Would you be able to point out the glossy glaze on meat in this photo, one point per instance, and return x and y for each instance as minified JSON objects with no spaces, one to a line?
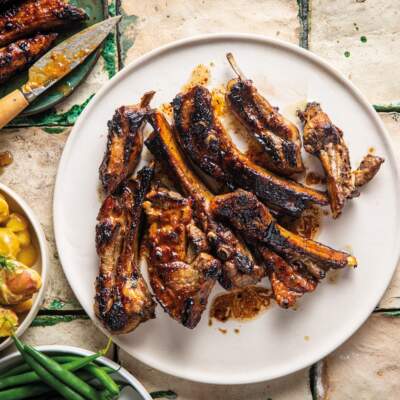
{"x":19,"y":55}
{"x":124,"y":143}
{"x":252,"y":218}
{"x":123,"y":300}
{"x":238,"y":267}
{"x":368,"y":168}
{"x":205,"y":141}
{"x":180,"y":281}
{"x":24,"y":18}
{"x":278,"y":137}
{"x":325,"y":140}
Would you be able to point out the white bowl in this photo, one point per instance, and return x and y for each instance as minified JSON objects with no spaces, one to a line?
{"x":15,"y":358}
{"x":42,"y":264}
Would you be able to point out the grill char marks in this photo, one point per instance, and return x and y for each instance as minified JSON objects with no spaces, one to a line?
{"x":207,"y":144}
{"x":36,"y":15}
{"x":253,"y":219}
{"x":238,"y":268}
{"x":124,"y":143}
{"x":368,"y":168}
{"x":122,"y":300}
{"x":19,"y":55}
{"x":325,"y":140}
{"x":181,"y":281}
{"x":277,"y":136}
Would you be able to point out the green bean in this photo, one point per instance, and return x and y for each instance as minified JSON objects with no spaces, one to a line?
{"x":45,"y":375}
{"x":19,"y":369}
{"x":62,"y":374}
{"x":24,"y":392}
{"x":31,"y":377}
{"x":103,"y":378}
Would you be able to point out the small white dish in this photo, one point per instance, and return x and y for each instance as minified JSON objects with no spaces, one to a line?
{"x":137,"y":393}
{"x":42,"y":264}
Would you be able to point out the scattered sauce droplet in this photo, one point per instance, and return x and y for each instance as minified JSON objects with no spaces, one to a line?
{"x":6,"y":158}
{"x":166,"y":108}
{"x":306,"y":338}
{"x":371,"y":150}
{"x":313,"y":178}
{"x":224,"y":331}
{"x":363,"y":39}
{"x":201,"y":75}
{"x":347,"y":54}
{"x":210,"y":322}
{"x":218,"y":100}
{"x":307,"y":225}
{"x":241,"y":304}
{"x":237,"y":331}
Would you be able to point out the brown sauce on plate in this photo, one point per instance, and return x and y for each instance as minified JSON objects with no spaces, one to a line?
{"x":241,"y":304}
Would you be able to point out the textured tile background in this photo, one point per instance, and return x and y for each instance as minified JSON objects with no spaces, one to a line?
{"x":366,"y":367}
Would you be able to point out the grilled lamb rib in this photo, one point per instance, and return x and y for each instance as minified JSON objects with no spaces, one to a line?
{"x":124,"y":143}
{"x":253,"y":219}
{"x":122,"y":300}
{"x":19,"y":55}
{"x":207,"y":144}
{"x":368,"y":168}
{"x":238,"y":267}
{"x":180,"y":281}
{"x":36,"y":15}
{"x":278,"y":137}
{"x":325,"y":140}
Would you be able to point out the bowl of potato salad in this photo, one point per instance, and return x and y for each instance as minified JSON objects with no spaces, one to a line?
{"x":23,"y":265}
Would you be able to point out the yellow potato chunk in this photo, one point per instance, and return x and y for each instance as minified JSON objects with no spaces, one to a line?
{"x":8,"y":322}
{"x":4,"y":209}
{"x":9,"y":244}
{"x":24,"y":238}
{"x":23,"y":307}
{"x":27,"y":255}
{"x":17,"y":222}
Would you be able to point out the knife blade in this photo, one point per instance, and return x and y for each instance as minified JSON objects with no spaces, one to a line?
{"x":53,"y":66}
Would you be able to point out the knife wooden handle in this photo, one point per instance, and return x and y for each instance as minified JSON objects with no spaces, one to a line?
{"x":11,"y":105}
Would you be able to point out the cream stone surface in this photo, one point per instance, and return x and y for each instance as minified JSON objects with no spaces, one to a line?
{"x":161,"y":22}
{"x":292,"y":387}
{"x":78,"y":333}
{"x":367,"y":366}
{"x":364,"y":368}
{"x":373,"y":65}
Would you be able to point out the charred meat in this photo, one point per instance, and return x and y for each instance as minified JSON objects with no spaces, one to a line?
{"x":368,"y":168}
{"x":288,"y":282}
{"x":278,"y":137}
{"x":208,"y":145}
{"x":19,"y":55}
{"x":180,"y":281}
{"x":238,"y":267}
{"x":325,"y":140}
{"x":124,"y":143}
{"x":253,"y":219}
{"x":30,"y":16}
{"x":123,"y":300}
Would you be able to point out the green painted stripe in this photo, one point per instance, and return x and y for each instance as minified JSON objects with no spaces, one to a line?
{"x":304,"y":15}
{"x":51,"y":320}
{"x":51,"y":118}
{"x":164,"y":394}
{"x":391,"y":107}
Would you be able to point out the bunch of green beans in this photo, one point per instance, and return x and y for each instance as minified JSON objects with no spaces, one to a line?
{"x":42,"y":375}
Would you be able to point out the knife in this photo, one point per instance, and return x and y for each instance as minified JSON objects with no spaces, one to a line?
{"x":53,"y":66}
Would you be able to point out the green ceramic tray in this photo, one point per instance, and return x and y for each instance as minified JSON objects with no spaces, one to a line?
{"x":97,"y":11}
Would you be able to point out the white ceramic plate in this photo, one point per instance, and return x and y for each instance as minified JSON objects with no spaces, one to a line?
{"x":121,"y":375}
{"x":18,"y":204}
{"x":280,"y":341}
